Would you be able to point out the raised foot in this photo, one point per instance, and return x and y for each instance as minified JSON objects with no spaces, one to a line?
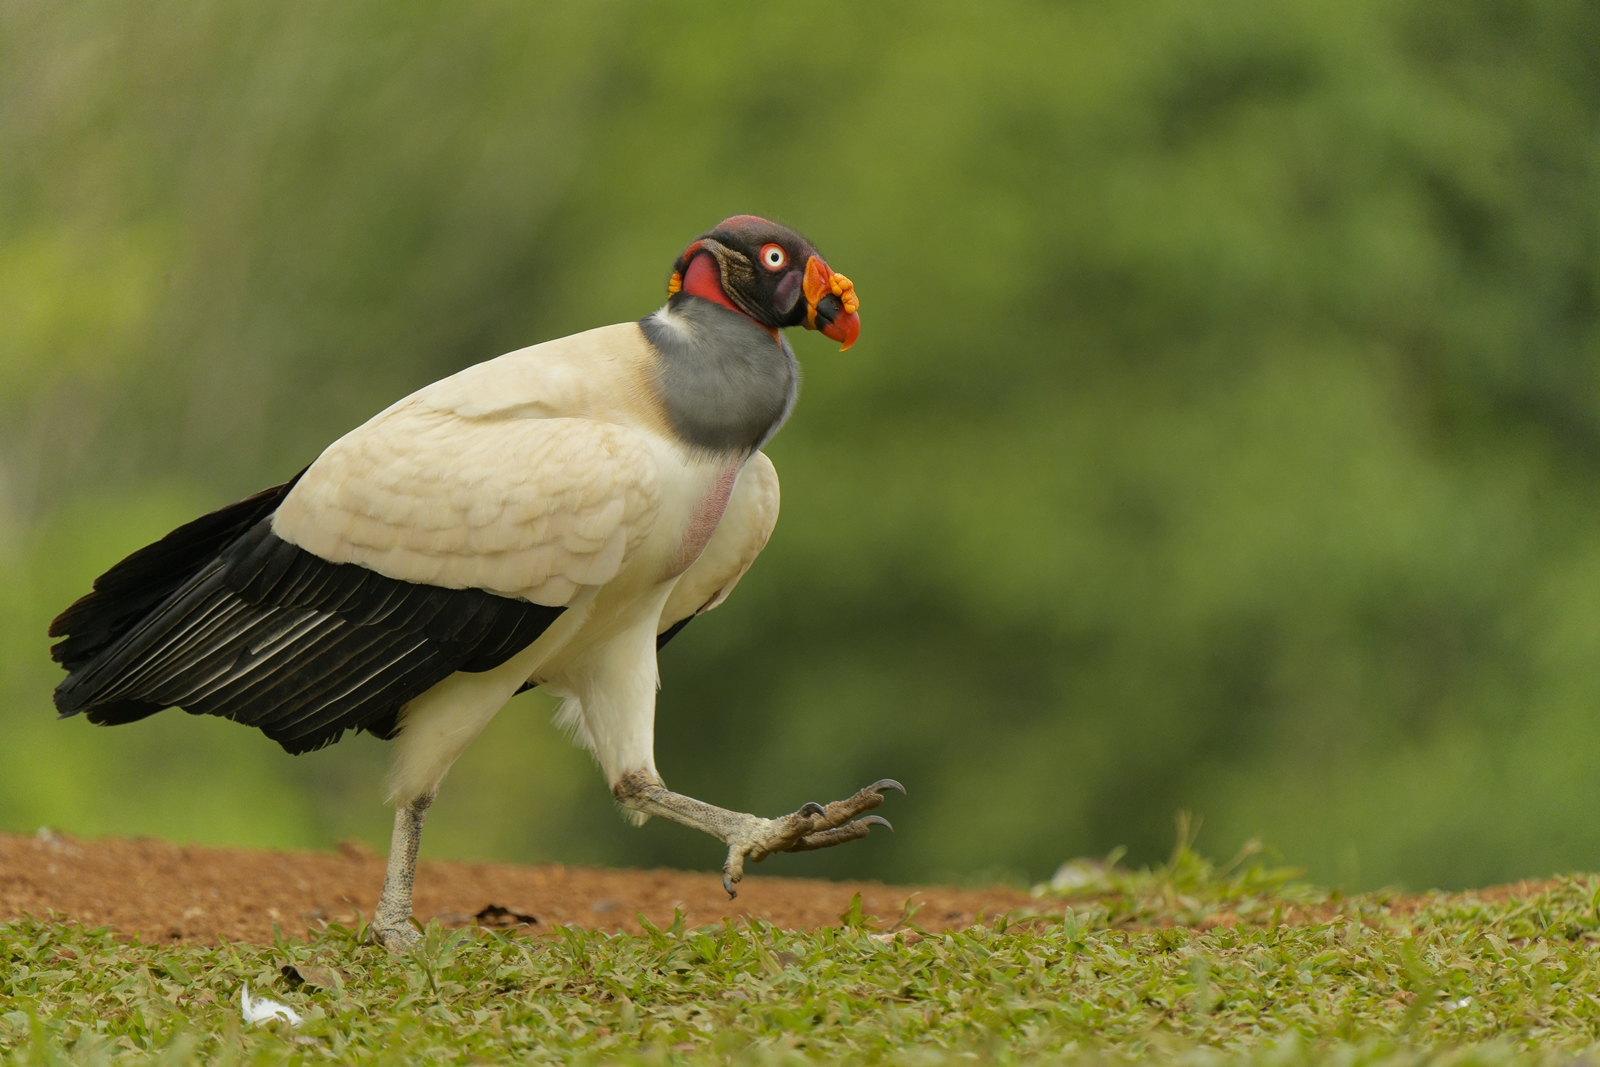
{"x":814,"y":826}
{"x":397,"y":939}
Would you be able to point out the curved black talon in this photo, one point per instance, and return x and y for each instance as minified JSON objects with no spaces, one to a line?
{"x":727,"y":883}
{"x":811,"y":807}
{"x":876,"y":820}
{"x":886,"y":783}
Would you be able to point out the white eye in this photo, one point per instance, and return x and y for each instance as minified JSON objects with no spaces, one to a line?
{"x":773,"y":257}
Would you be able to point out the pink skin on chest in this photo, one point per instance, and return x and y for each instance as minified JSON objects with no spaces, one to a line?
{"x":703,"y":523}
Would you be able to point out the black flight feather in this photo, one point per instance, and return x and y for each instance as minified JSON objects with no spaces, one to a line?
{"x":133,"y":587}
{"x":223,"y":617}
{"x":672,"y":631}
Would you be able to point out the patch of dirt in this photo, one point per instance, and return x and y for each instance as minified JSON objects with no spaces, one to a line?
{"x":164,"y":892}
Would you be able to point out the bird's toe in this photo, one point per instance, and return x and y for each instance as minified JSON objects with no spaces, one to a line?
{"x":397,"y":939}
{"x":842,"y":812}
{"x":850,"y":831}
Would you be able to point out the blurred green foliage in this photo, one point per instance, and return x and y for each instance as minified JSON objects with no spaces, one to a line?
{"x":1224,"y":434}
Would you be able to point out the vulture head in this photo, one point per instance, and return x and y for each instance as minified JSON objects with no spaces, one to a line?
{"x":771,"y":274}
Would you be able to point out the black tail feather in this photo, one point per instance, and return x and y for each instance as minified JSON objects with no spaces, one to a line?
{"x":130,"y":590}
{"x":223,"y":617}
{"x":122,"y":711}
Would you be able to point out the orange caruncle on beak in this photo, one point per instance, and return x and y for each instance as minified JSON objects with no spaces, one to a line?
{"x":820,"y":283}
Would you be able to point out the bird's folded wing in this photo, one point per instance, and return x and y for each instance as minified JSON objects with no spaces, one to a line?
{"x":740,"y":536}
{"x":519,"y":506}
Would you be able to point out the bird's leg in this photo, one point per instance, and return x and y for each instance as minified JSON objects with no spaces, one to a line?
{"x":750,"y":837}
{"x":391,"y":926}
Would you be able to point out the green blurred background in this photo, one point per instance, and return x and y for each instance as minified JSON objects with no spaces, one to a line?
{"x":1224,"y":434}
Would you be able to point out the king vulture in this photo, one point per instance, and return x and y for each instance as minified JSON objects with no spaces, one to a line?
{"x":549,"y":518}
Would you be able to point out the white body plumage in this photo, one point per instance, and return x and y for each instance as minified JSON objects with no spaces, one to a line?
{"x":548,"y":474}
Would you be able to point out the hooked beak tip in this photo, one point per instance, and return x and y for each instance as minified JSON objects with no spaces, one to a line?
{"x":844,"y":329}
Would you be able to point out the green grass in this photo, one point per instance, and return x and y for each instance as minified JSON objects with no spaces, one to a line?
{"x":1138,"y":970}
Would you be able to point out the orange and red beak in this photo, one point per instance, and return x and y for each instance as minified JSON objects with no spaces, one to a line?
{"x":831,"y":303}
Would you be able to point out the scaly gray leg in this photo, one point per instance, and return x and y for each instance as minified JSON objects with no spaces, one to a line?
{"x":750,"y":837}
{"x":391,"y":926}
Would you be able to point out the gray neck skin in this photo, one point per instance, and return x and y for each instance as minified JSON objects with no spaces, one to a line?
{"x":725,"y":383}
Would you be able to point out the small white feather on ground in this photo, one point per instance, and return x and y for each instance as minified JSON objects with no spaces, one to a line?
{"x":261,"y":1009}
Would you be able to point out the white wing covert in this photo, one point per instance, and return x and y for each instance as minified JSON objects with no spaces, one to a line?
{"x":525,"y":507}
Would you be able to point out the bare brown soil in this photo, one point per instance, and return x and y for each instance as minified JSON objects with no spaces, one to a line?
{"x":163,"y":892}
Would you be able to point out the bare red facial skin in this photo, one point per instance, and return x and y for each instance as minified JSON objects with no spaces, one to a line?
{"x":704,"y":279}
